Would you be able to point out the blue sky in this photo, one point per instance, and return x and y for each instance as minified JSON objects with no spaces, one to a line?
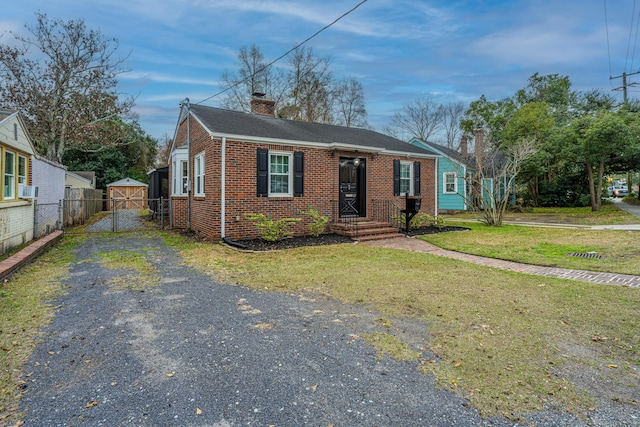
{"x":398,"y":49}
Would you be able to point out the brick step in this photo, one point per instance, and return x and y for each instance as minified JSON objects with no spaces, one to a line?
{"x":367,"y":230}
{"x":379,"y":237}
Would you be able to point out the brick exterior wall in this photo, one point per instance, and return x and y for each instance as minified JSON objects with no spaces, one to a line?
{"x":321,"y":190}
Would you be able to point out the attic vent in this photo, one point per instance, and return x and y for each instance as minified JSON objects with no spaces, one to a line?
{"x":592,"y":255}
{"x":15,"y":131}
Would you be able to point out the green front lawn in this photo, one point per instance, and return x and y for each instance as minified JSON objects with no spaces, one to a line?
{"x":619,"y":250}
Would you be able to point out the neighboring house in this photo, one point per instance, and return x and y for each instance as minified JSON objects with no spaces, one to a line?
{"x":454,"y":171}
{"x":16,"y":199}
{"x":49,"y":179}
{"x":453,"y":167}
{"x":226,"y":164}
{"x":80,"y":179}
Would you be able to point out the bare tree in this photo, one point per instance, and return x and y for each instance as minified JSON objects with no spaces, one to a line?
{"x":492,"y":184}
{"x":450,"y":115}
{"x":62,"y":77}
{"x":349,"y":103}
{"x":420,"y":119}
{"x":309,"y":83}
{"x":254,"y":75}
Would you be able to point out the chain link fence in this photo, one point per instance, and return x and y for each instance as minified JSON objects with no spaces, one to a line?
{"x":47,"y":219}
{"x":91,"y":215}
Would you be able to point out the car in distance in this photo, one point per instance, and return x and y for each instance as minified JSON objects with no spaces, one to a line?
{"x":618,"y":191}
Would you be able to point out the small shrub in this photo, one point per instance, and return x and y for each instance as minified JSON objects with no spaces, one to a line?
{"x":419,"y":220}
{"x":318,"y":222}
{"x":271,"y":230}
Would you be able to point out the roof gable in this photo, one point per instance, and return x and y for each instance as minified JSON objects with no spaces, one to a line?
{"x":10,"y":122}
{"x":445,"y":151}
{"x":127,"y":182}
{"x":257,"y":127}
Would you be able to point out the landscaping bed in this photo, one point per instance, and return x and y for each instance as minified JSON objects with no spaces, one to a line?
{"x":325,"y":239}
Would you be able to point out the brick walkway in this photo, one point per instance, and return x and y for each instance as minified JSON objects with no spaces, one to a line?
{"x":417,"y":245}
{"x":14,"y":262}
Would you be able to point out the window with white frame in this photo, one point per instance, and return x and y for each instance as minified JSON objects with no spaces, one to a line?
{"x":406,"y":178}
{"x":450,"y":183}
{"x":198,"y":172}
{"x":22,"y":170}
{"x":280,"y":176}
{"x":180,"y":175}
{"x":9,"y":175}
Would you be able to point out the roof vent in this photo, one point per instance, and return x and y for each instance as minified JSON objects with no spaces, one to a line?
{"x":258,"y":94}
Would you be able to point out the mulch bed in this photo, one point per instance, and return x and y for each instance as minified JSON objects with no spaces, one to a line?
{"x":325,"y":239}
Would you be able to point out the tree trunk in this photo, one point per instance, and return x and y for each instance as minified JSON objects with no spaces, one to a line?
{"x":594,"y":205}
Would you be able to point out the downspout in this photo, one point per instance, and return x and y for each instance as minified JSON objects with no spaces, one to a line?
{"x":186,"y":102}
{"x":223,"y":196}
{"x":435,"y":208}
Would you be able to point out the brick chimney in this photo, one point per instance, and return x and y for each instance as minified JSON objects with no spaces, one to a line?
{"x":262,"y":105}
{"x":464,"y":146}
{"x":479,"y":146}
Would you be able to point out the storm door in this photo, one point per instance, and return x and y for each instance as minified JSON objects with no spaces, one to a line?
{"x":352,"y":187}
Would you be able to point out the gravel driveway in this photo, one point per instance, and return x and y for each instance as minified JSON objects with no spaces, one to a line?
{"x":192,"y":352}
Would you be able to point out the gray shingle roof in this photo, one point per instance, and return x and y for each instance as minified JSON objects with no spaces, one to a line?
{"x":227,"y":122}
{"x":452,"y":154}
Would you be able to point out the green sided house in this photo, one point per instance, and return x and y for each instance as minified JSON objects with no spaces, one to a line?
{"x":227,"y":164}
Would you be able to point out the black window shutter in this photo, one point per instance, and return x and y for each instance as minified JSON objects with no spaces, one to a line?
{"x":396,"y":177}
{"x":298,"y":173}
{"x":416,"y":178}
{"x":263,"y":173}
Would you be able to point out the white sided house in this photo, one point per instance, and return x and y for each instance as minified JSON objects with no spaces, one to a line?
{"x":49,"y":179}
{"x":18,"y":193}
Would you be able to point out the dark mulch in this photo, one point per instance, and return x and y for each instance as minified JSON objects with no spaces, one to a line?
{"x":433,"y":230}
{"x":325,"y":239}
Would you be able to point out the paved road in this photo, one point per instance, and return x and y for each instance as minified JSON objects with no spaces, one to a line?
{"x":193,"y":352}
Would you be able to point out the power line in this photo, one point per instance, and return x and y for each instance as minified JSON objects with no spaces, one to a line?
{"x":633,"y":13}
{"x":285,"y":54}
{"x":606,"y":24}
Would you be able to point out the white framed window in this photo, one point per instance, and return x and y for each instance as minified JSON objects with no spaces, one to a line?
{"x":9,"y":175}
{"x":198,"y":174}
{"x":406,"y":178}
{"x":450,"y":183}
{"x":179,"y":174}
{"x":280,"y":176}
{"x":22,"y":170}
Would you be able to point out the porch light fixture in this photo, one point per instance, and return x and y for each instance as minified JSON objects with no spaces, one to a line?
{"x":356,"y":162}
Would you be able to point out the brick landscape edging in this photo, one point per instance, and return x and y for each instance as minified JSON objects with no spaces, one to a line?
{"x":12,"y":264}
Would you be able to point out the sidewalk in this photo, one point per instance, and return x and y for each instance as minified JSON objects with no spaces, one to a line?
{"x":417,"y":245}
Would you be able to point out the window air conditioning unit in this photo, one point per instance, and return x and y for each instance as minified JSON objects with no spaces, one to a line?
{"x":27,"y":191}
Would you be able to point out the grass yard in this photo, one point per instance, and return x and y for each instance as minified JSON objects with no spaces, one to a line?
{"x":609,"y":214}
{"x":23,"y":312}
{"x":619,"y":250}
{"x":508,"y":342}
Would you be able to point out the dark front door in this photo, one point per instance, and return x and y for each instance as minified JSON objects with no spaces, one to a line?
{"x":352,"y":201}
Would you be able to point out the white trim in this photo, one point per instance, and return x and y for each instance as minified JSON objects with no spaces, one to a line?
{"x":324,"y":146}
{"x":444,"y":183}
{"x":289,"y":155}
{"x":198,"y":178}
{"x":411,"y":183}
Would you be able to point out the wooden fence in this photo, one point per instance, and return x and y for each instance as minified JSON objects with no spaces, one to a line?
{"x":80,"y":204}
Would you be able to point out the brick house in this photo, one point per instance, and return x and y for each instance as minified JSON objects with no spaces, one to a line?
{"x":226,"y":164}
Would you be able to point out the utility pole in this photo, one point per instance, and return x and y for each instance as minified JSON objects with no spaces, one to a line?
{"x":624,"y":85}
{"x":625,"y":99}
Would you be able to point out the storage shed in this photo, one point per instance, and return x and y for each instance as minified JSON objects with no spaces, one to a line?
{"x":127,"y":194}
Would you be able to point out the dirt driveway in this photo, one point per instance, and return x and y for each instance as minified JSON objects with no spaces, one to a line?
{"x":191,"y":352}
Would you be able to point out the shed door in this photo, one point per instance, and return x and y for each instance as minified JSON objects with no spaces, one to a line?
{"x":128,"y":197}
